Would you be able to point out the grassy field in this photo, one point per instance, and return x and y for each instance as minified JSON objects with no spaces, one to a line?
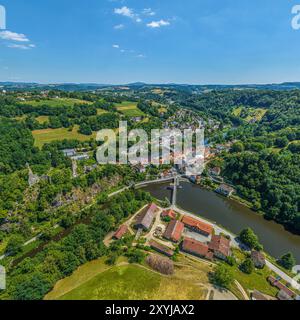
{"x":79,"y":277}
{"x":252,"y":113}
{"x":256,"y":280}
{"x":161,"y":108}
{"x":129,"y":109}
{"x":256,"y":114}
{"x":56,"y":102}
{"x":42,"y":119}
{"x":97,"y":281}
{"x":48,"y":135}
{"x":101,"y":111}
{"x":237,"y":111}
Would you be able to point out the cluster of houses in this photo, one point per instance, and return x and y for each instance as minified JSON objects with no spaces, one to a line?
{"x":284,"y":292}
{"x":210,"y":247}
{"x":215,"y":246}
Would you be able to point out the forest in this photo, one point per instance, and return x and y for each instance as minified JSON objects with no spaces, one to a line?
{"x":32,"y":278}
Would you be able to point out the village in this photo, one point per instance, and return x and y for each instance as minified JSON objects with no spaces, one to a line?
{"x":168,"y":233}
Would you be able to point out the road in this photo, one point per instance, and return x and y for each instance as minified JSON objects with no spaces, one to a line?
{"x":217,"y":228}
{"x":236,"y":244}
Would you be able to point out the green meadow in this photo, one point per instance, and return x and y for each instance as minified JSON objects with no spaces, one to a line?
{"x":129,"y":109}
{"x":49,"y":135}
{"x":60,"y":102}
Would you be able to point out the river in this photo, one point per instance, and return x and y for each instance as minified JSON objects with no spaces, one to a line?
{"x":232,"y":215}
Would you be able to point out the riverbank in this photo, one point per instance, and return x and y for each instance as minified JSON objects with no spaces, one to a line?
{"x":236,"y":244}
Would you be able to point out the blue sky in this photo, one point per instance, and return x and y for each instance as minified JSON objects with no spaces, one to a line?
{"x":154,"y":41}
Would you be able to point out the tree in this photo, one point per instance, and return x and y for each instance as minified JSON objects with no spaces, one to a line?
{"x":281,"y":142}
{"x":14,"y":245}
{"x":247,"y":266}
{"x":112,"y":259}
{"x":222,"y":276}
{"x":249,"y":238}
{"x":287,"y":261}
{"x":32,"y":287}
{"x":231,"y":261}
{"x":294,"y":147}
{"x":135,"y":256}
{"x":237,"y":147}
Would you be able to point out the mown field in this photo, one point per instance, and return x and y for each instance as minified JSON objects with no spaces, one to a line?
{"x":129,"y":109}
{"x":100,"y":111}
{"x":48,"y":135}
{"x":249,"y":114}
{"x":42,"y":119}
{"x":60,"y":102}
{"x":256,"y":280}
{"x":97,"y":281}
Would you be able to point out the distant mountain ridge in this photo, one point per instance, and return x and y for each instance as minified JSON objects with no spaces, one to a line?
{"x":140,"y":85}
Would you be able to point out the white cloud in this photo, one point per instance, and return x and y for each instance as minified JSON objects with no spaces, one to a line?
{"x":116,"y":46}
{"x":158,"y":24}
{"x":141,"y":56}
{"x":127,"y":12}
{"x":148,"y":12}
{"x":119,"y":26}
{"x":21,"y":46}
{"x":13,"y":36}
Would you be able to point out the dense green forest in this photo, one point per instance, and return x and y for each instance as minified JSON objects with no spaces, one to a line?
{"x":270,"y":181}
{"x":32,"y":278}
{"x":264,"y":161}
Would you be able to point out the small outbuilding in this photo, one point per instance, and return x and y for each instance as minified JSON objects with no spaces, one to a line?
{"x":120,"y":232}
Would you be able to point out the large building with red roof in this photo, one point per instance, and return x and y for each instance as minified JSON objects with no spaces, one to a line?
{"x":197,"y":226}
{"x":220,"y":246}
{"x":174,"y":231}
{"x":195,"y":247}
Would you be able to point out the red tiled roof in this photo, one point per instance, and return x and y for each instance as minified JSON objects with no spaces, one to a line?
{"x":221,"y":244}
{"x":194,"y":223}
{"x":281,"y":286}
{"x":174,"y":230}
{"x":120,"y":232}
{"x":195,"y":247}
{"x":169,"y":213}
